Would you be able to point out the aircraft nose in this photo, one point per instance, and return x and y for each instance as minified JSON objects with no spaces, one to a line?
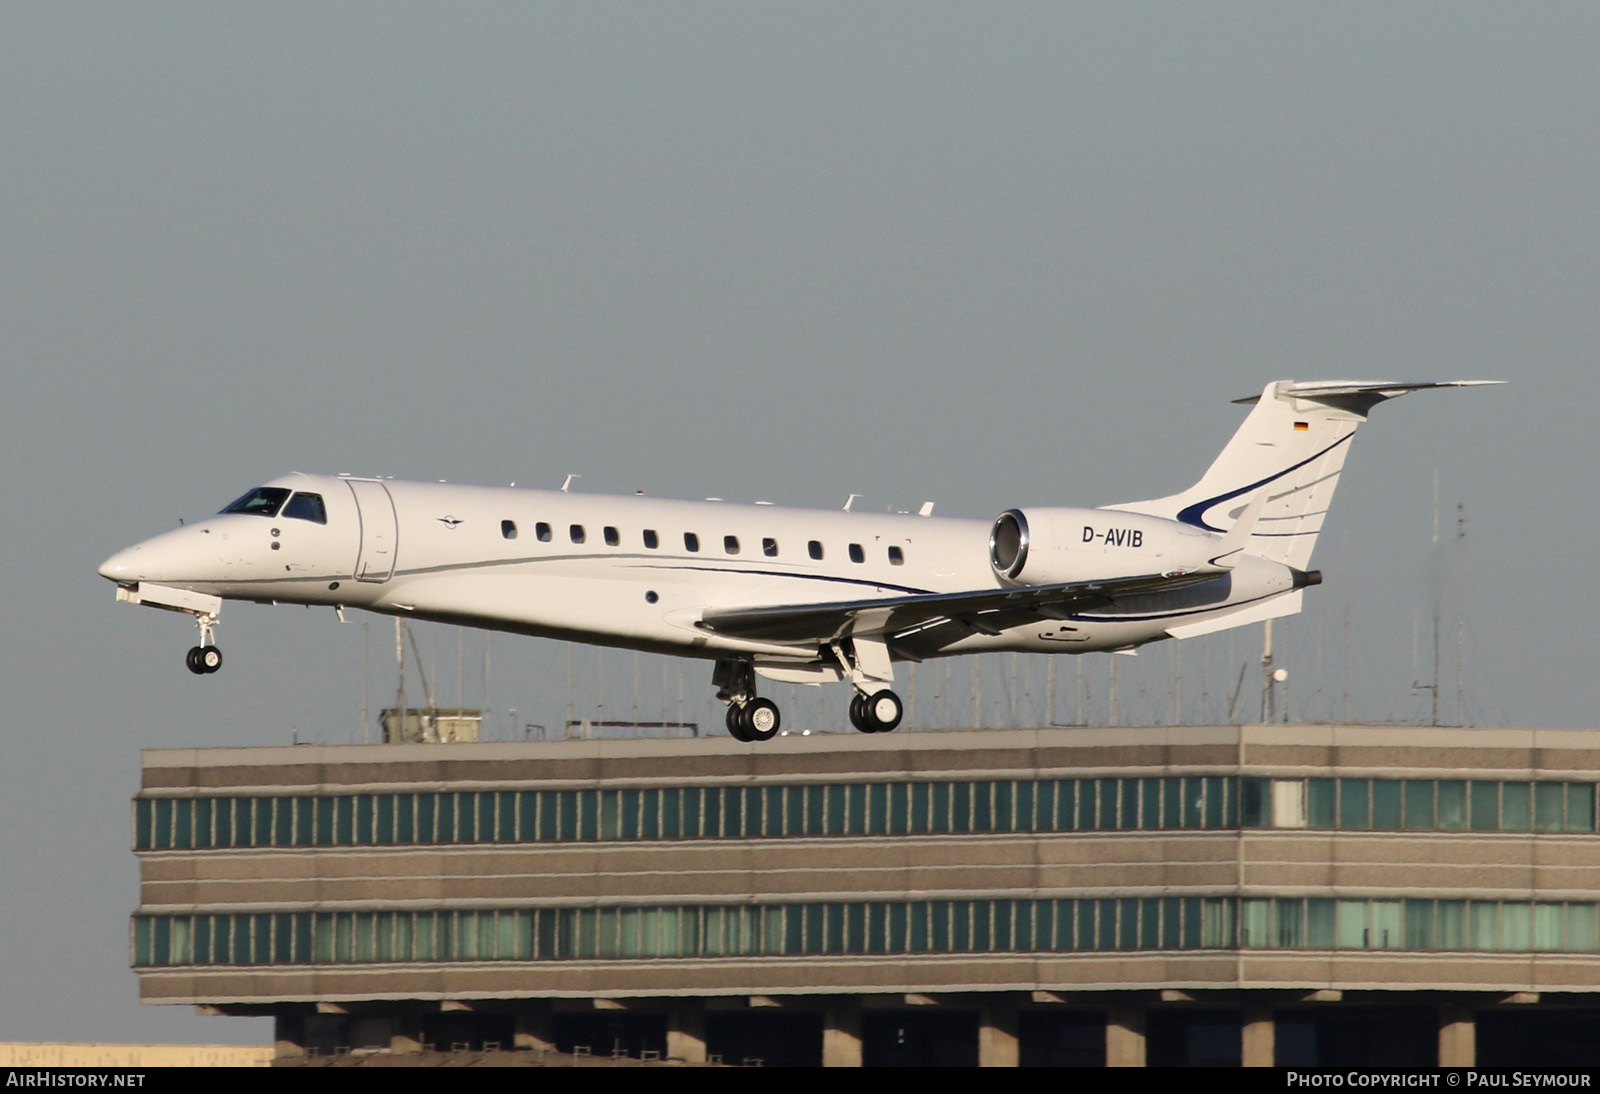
{"x":121,"y":566}
{"x":171,"y":556}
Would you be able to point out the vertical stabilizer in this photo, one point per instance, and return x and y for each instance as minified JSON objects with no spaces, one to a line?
{"x":1289,"y":452}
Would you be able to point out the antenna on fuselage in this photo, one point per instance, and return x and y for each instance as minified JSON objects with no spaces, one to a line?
{"x":851,"y":500}
{"x":568,"y":483}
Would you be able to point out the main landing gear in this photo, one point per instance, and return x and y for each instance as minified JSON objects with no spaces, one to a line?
{"x":865,"y":661}
{"x":754,"y":720}
{"x":205,"y":658}
{"x":751,"y":718}
{"x":879,"y":712}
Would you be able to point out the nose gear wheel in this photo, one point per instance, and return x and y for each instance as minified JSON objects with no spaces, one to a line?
{"x":203,"y":660}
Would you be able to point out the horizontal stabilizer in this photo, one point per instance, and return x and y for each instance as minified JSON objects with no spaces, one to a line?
{"x":1380,"y":389}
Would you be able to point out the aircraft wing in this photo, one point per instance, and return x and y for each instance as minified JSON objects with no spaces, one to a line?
{"x":985,"y":611}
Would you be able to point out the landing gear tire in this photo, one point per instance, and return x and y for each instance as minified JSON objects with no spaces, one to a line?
{"x":757,"y":720}
{"x":203,"y":660}
{"x":736,"y":723}
{"x":883,"y":711}
{"x":760,"y":719}
{"x":877,"y":713}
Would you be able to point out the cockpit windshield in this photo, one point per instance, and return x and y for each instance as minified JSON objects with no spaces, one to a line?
{"x":307,"y":507}
{"x":263,"y":501}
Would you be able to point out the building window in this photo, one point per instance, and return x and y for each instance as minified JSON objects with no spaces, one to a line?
{"x":1321,"y":802}
{"x":866,"y":927}
{"x":941,"y":807}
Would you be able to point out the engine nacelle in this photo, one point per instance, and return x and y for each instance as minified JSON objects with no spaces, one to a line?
{"x":1051,"y":546}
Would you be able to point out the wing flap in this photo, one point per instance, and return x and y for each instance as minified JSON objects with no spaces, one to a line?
{"x":986,"y":611}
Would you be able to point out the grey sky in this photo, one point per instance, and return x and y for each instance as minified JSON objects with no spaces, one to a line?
{"x":989,"y":255}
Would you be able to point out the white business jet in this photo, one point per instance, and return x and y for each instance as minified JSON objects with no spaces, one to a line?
{"x":796,"y":595}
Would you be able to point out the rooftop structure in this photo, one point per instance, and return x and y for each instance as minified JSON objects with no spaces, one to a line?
{"x":1257,"y":894}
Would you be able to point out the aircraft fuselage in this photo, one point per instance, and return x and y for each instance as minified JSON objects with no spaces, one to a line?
{"x":637,"y":572}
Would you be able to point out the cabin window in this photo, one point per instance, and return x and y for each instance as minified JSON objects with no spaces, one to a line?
{"x":691,"y":542}
{"x":508,"y":529}
{"x":612,"y":539}
{"x":306,"y":507}
{"x":769,"y":547}
{"x":576,"y":532}
{"x":730,"y":544}
{"x":650,"y":539}
{"x":542,"y":530}
{"x":897,"y":557}
{"x":857,"y":554}
{"x":263,"y":501}
{"x":815,"y":549}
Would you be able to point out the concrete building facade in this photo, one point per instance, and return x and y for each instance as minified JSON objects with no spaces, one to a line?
{"x":1292,"y":894}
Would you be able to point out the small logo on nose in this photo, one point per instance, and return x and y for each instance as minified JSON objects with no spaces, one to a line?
{"x":449,"y":522}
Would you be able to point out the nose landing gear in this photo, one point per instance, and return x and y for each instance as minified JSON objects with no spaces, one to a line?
{"x":205,"y":658}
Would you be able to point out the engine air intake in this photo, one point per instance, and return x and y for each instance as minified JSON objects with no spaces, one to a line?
{"x":1008,"y":543}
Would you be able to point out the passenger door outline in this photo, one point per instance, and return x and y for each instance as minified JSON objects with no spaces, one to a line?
{"x":379,"y":530}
